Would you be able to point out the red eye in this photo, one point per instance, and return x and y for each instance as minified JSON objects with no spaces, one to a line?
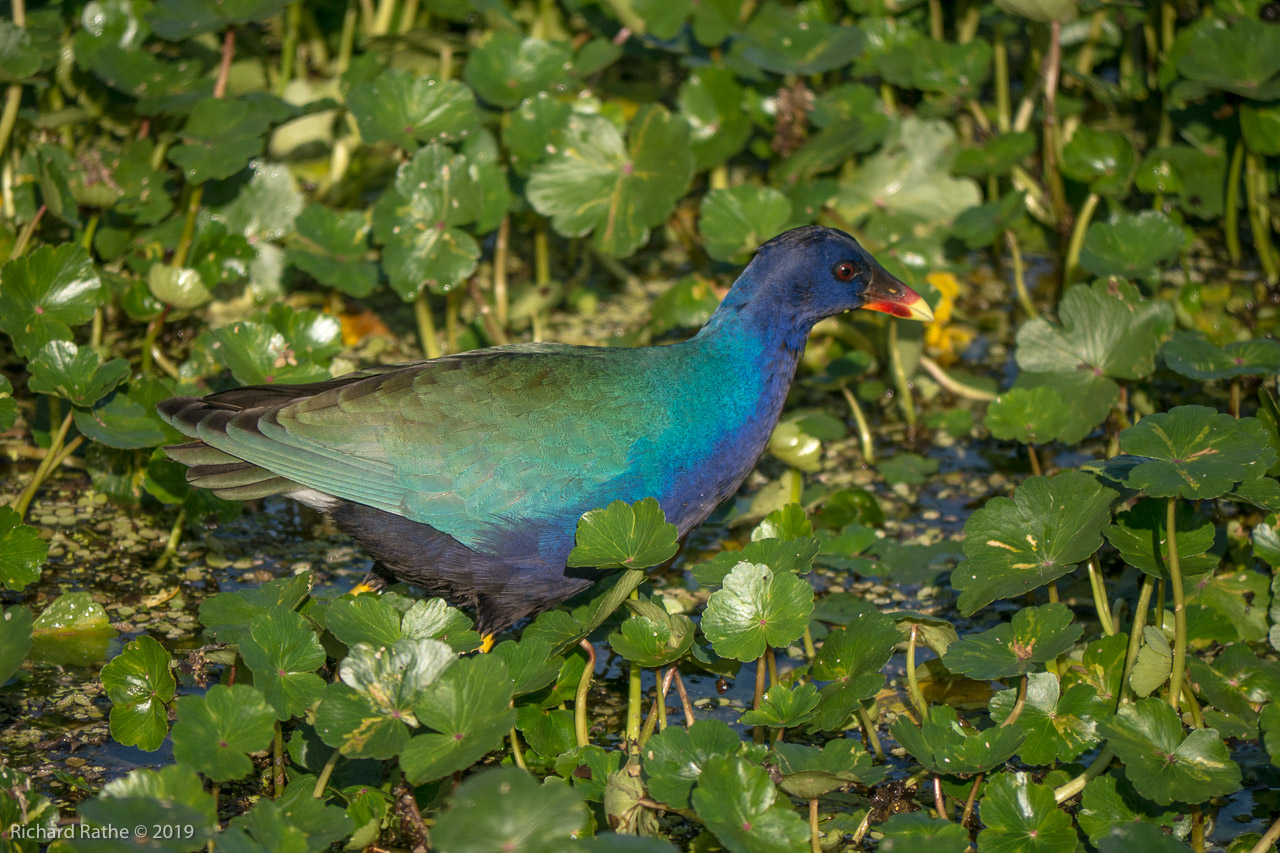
{"x":844,"y":271}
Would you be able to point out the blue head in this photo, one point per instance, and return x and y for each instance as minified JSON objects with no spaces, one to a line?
{"x":808,"y":273}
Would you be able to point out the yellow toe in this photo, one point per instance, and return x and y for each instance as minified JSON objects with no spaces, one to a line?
{"x":486,"y":643}
{"x":361,"y":588}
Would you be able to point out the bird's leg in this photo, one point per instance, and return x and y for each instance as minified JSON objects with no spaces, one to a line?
{"x":486,"y":643}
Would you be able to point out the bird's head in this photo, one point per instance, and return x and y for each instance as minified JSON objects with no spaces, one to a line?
{"x":823,"y":271}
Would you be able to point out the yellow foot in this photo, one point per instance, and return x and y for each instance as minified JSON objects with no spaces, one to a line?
{"x":486,"y":643}
{"x":361,"y":588}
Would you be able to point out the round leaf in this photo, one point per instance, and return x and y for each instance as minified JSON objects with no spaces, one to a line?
{"x":74,"y":374}
{"x":45,"y":293}
{"x":735,"y":221}
{"x":140,"y":686}
{"x":735,"y":798}
{"x":757,"y":608}
{"x":1131,"y":245}
{"x":22,"y":551}
{"x":1013,"y":546}
{"x":469,"y":710}
{"x":1058,"y":725}
{"x":1022,"y":817}
{"x":1028,"y":415}
{"x":404,"y":109}
{"x":505,"y":68}
{"x":1196,"y":358}
{"x":215,"y":731}
{"x":507,"y":809}
{"x":1034,"y":635}
{"x":673,"y":759}
{"x":15,"y":639}
{"x":942,"y":746}
{"x":624,"y":536}
{"x":1103,"y":160}
{"x":283,"y":653}
{"x":1139,"y":534}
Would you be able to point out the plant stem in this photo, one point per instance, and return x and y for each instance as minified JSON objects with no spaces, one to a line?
{"x":1197,"y":828}
{"x":684,"y":700}
{"x":954,"y":386}
{"x":1077,"y":237}
{"x":757,"y":733}
{"x":1053,"y":177}
{"x":869,"y":729}
{"x":28,"y":231}
{"x":1255,"y":185}
{"x":905,"y":403}
{"x":1020,"y":276}
{"x":517,"y":755}
{"x":1268,"y":840}
{"x":492,"y":329}
{"x":23,"y":501}
{"x":634,"y":698}
{"x":277,"y":763}
{"x":325,"y":772}
{"x":408,"y":15}
{"x":864,"y":429}
{"x":1235,"y":398}
{"x":935,"y":20}
{"x":289,"y":46}
{"x":500,"y":300}
{"x":658,"y":710}
{"x":188,"y":228}
{"x":1189,"y":695}
{"x":1000,"y":56}
{"x":149,"y":341}
{"x":1231,"y":212}
{"x":815,"y":843}
{"x":171,"y":546}
{"x":426,"y":326}
{"x":972,"y":798}
{"x":807,"y":638}
{"x":1135,"y":633}
{"x":581,"y":731}
{"x":1018,"y":703}
{"x":13,"y":95}
{"x":1076,"y":785}
{"x":541,"y":254}
{"x":1179,"y":608}
{"x":1099,"y":589}
{"x":213,"y":791}
{"x":346,"y":41}
{"x":939,"y":800}
{"x":772,"y":661}
{"x":913,"y":685}
{"x":382,"y":18}
{"x":1034,"y":458}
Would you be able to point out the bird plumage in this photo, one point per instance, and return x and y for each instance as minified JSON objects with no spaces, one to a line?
{"x":466,"y":475}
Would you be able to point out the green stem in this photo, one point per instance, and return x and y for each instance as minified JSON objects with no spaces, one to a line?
{"x":1179,"y":608}
{"x":213,"y":791}
{"x":28,"y":231}
{"x":1255,"y":184}
{"x":757,"y":733}
{"x":408,"y":15}
{"x":277,"y":763}
{"x":685,"y":704}
{"x":954,"y":386}
{"x":149,"y":341}
{"x":1135,"y":634}
{"x":1098,"y":587}
{"x":188,"y":228}
{"x":772,"y":661}
{"x":517,"y":755}
{"x":972,"y":798}
{"x":1231,"y":217}
{"x":347,"y":40}
{"x":935,"y":20}
{"x":1053,"y":177}
{"x":869,"y":729}
{"x":865,"y":440}
{"x":12,"y":100}
{"x":581,"y":730}
{"x":1000,"y":55}
{"x":807,"y":638}
{"x":1268,"y":840}
{"x":657,"y":710}
{"x":1235,"y":398}
{"x":23,"y":501}
{"x":1077,"y":237}
{"x":1020,"y":276}
{"x":171,"y":545}
{"x":289,"y":46}
{"x":1076,"y":785}
{"x":452,"y":305}
{"x":1033,"y":456}
{"x":815,"y":836}
{"x":541,"y":254}
{"x":325,"y":772}
{"x":1189,"y":695}
{"x":634,"y":698}
{"x":905,"y":402}
{"x":1018,"y":703}
{"x":913,"y":684}
{"x":426,"y":326}
{"x":382,"y":18}
{"x":1197,"y":828}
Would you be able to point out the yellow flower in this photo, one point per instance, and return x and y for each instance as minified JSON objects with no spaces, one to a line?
{"x":943,"y":342}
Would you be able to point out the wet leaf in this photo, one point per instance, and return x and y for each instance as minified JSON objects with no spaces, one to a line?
{"x":1192,"y":452}
{"x":756,"y":608}
{"x":918,"y":832}
{"x":1110,"y":803}
{"x":368,"y":713}
{"x":219,"y":138}
{"x":1260,"y":126}
{"x":505,"y":69}
{"x":140,"y":687}
{"x":1162,"y":763}
{"x":283,"y":653}
{"x":1154,"y":663}
{"x":1028,"y":415}
{"x":861,"y":647}
{"x":406,"y":110}
{"x":1141,"y":537}
{"x":735,"y":221}
{"x":942,"y":746}
{"x":1236,"y":680}
{"x":74,"y":374}
{"x":1239,"y":598}
{"x":614,"y":190}
{"x":713,"y":20}
{"x":1059,"y":724}
{"x":788,"y":523}
{"x":181,"y":19}
{"x":673,"y":759}
{"x":22,"y":551}
{"x":333,"y":247}
{"x":736,"y":798}
{"x":653,"y":642}
{"x":624,"y":536}
{"x":530,"y":662}
{"x":1033,"y":635}
{"x":1022,"y":817}
{"x":1131,"y":245}
{"x":215,"y":731}
{"x":229,"y":616}
{"x":364,"y":619}
{"x":1101,"y":667}
{"x":1102,"y":159}
{"x":536,"y":130}
{"x":809,"y":772}
{"x":783,"y":706}
{"x":1013,"y":546}
{"x":468,"y":709}
{"x":1196,"y":358}
{"x":45,"y":293}
{"x":785,"y":41}
{"x":109,"y":825}
{"x":434,"y":619}
{"x":1269,"y":721}
{"x":506,"y":809}
{"x":1243,"y":58}
{"x":15,"y":639}
{"x":711,"y":101}
{"x":1140,"y":836}
{"x":258,"y":354}
{"x":418,"y":222}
